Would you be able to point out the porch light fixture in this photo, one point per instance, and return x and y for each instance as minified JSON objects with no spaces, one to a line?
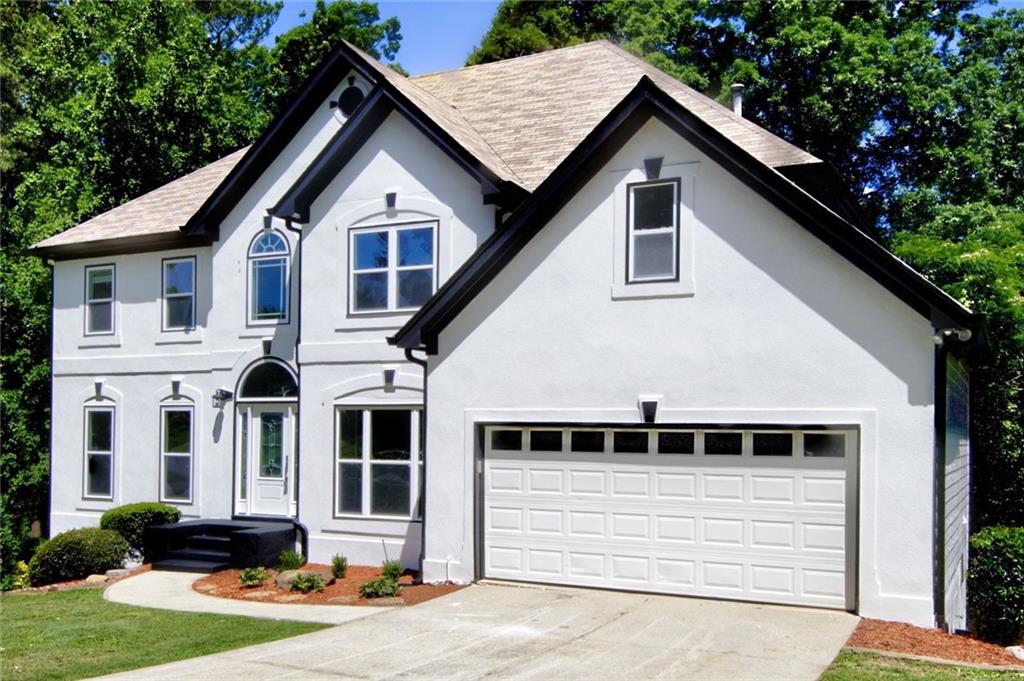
{"x":949,"y":333}
{"x":221,"y":397}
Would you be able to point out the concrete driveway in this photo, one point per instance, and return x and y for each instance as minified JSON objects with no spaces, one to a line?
{"x":524,"y":632}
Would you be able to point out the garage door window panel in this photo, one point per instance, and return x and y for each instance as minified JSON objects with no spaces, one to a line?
{"x":723,"y":443}
{"x":378,"y":462}
{"x":630,"y":442}
{"x":675,"y":442}
{"x":587,"y":440}
{"x":507,"y":440}
{"x":546,"y":440}
{"x":773,"y":444}
{"x":825,"y":445}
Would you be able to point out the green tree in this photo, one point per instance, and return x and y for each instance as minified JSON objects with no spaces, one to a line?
{"x":301,"y":50}
{"x":101,"y":102}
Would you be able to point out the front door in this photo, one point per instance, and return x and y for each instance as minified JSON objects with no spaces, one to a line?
{"x":267,"y":459}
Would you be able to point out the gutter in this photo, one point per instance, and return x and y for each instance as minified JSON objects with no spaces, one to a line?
{"x":939,"y":492}
{"x":423,"y":457}
{"x":297,"y":317}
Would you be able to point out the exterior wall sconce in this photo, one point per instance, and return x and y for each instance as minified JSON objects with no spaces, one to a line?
{"x":649,"y":407}
{"x":221,"y":397}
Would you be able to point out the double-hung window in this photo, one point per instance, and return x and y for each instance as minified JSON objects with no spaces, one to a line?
{"x":179,"y":289}
{"x":176,"y":443}
{"x":268,"y":279}
{"x":652,"y":245}
{"x":392,"y":268}
{"x":99,"y":299}
{"x":378,"y":462}
{"x":99,"y":452}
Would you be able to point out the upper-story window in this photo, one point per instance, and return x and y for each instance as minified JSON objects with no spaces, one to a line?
{"x":268,"y":279}
{"x":99,"y":299}
{"x":392,"y":267}
{"x":179,"y":289}
{"x":653,"y":232}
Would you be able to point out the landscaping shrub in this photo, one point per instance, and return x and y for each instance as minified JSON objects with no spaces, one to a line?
{"x":131,"y":519}
{"x":307,"y":582}
{"x":20,"y":578}
{"x":392,"y":569}
{"x":76,"y":554}
{"x":995,"y":584}
{"x":339,"y":566}
{"x":252,"y":576}
{"x":380,"y":587}
{"x":290,"y":560}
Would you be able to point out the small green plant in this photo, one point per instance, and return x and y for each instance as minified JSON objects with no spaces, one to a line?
{"x":307,"y":582}
{"x":995,"y":584}
{"x":380,"y":587}
{"x":392,"y":569}
{"x":20,"y":579}
{"x":339,"y":566}
{"x":252,"y":576}
{"x":290,"y":560}
{"x":76,"y":554}
{"x":131,"y":520}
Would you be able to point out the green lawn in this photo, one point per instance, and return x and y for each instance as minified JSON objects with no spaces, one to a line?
{"x":76,"y":634}
{"x":850,"y":666}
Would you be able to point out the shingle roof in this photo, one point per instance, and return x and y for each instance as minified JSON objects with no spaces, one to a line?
{"x":531,"y":111}
{"x":163,"y":210}
{"x":519,"y":117}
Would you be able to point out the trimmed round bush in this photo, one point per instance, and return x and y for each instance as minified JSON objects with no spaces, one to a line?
{"x":995,"y":584}
{"x":76,"y":554}
{"x":130,"y":520}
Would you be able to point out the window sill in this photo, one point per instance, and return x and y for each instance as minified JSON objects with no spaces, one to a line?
{"x":100,"y":342}
{"x":667,"y":289}
{"x":180,"y":338}
{"x":379,"y":518}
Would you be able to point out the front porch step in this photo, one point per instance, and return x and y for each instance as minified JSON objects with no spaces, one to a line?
{"x":183,"y":565}
{"x":210,"y":542}
{"x":201,"y":554}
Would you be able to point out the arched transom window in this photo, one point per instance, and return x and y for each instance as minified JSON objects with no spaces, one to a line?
{"x":268,"y":278}
{"x":269,"y":380}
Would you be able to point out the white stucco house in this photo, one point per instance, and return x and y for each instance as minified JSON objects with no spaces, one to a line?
{"x":556,"y":319}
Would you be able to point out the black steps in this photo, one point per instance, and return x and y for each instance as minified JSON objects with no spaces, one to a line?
{"x":209,"y":542}
{"x":185,"y":565}
{"x":201,"y":554}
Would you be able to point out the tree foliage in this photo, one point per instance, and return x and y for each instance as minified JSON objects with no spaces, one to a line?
{"x":919,"y":105}
{"x":101,"y":102}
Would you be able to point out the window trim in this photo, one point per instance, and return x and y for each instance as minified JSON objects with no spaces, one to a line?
{"x":190,"y":410}
{"x":164,"y":262}
{"x":87,"y":452}
{"x":414,"y":463}
{"x":631,"y":232}
{"x":251,"y":258}
{"x":392,"y":270}
{"x":112,"y":300}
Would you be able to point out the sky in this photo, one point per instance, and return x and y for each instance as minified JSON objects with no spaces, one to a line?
{"x":436,"y":36}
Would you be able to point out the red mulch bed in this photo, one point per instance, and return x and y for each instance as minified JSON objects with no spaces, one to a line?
{"x":342,"y":592}
{"x":76,"y":584}
{"x":896,"y":637}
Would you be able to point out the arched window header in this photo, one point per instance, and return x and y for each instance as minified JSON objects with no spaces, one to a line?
{"x":269,"y":380}
{"x":268,"y":243}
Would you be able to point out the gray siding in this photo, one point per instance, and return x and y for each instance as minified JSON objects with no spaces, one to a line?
{"x":957,"y":460}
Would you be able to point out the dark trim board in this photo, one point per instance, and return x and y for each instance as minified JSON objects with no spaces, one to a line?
{"x":644,"y":102}
{"x":163,"y":241}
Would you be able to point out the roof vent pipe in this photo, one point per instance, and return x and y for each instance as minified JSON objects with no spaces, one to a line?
{"x":737,"y":98}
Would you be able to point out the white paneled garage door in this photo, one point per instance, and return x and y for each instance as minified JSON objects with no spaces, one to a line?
{"x":761,"y":515}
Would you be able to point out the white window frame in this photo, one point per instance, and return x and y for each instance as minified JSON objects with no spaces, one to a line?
{"x":165,"y":326}
{"x":393,"y":269}
{"x":251,"y":291}
{"x":89,"y":302}
{"x":414,"y":462}
{"x":87,"y":452}
{"x":633,"y":234}
{"x":164,"y":454}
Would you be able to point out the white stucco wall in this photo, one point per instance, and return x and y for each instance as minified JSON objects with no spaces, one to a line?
{"x":343,"y":355}
{"x":779,"y":329}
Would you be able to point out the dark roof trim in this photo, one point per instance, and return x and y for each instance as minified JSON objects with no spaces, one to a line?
{"x":146,"y":243}
{"x":272,"y":142}
{"x":643,"y":102}
{"x":295,"y":203}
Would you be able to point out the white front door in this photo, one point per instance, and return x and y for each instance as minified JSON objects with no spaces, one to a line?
{"x":267,"y":459}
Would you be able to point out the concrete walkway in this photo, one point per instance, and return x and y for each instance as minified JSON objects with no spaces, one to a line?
{"x":173,"y":591}
{"x":521,"y":632}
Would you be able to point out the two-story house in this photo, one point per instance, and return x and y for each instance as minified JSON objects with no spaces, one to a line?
{"x":555,"y":319}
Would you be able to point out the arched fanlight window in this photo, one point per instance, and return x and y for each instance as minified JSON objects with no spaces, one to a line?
{"x":268,"y":278}
{"x":269,"y":380}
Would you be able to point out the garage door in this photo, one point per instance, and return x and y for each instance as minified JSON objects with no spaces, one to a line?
{"x":761,"y":515}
